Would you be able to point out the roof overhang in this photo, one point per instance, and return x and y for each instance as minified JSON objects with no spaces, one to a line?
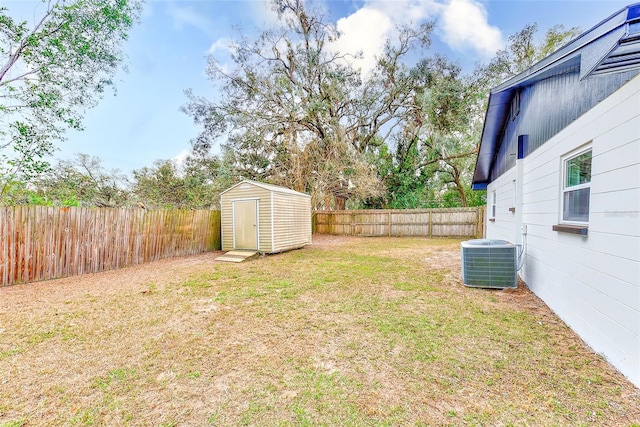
{"x":593,"y":52}
{"x":269,"y":187}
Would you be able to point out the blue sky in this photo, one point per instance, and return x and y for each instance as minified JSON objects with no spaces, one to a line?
{"x":167,"y":54}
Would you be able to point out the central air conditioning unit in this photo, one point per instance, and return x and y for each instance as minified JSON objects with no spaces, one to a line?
{"x":489,"y":264}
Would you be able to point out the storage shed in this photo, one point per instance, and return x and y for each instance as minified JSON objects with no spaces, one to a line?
{"x":265,"y":218}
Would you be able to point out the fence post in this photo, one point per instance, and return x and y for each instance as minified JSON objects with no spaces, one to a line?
{"x":480,"y":222}
{"x":389,"y":223}
{"x":430,"y":226}
{"x":353,"y":217}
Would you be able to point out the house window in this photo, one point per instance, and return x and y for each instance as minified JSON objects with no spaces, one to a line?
{"x":576,"y":187}
{"x":493,"y":204}
{"x":515,"y":105}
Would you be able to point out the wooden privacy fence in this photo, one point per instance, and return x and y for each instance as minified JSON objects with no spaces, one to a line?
{"x":450,"y":222}
{"x":39,"y":242}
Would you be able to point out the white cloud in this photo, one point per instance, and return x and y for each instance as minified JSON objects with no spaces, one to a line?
{"x":464,"y":24}
{"x":406,"y":11}
{"x":180,"y":158}
{"x":461,"y":24}
{"x":221,"y":50}
{"x":368,"y":28}
{"x":364,"y":31}
{"x":223,"y":44}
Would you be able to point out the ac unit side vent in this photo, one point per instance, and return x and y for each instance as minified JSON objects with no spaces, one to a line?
{"x":489,"y":264}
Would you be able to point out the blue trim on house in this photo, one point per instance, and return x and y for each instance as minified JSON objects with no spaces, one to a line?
{"x":523,"y":142}
{"x":479,"y":186}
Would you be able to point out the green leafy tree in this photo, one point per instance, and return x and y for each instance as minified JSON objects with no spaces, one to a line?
{"x":195,"y":183}
{"x":436,"y":148}
{"x":52,"y":72}
{"x":405,"y":181}
{"x":453,"y":122}
{"x":82,"y":182}
{"x":160,"y":186}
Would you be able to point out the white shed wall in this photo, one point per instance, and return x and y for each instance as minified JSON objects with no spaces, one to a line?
{"x":291,"y":221}
{"x":592,"y":282}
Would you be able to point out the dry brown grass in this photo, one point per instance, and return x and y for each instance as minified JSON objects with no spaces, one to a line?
{"x":349,"y":331}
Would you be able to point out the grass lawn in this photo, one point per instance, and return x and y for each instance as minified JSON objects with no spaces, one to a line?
{"x":347,"y":332}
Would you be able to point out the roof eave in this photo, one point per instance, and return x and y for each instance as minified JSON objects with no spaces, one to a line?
{"x":562,"y":60}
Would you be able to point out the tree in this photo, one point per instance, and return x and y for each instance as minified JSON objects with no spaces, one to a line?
{"x":406,"y":183}
{"x":51,"y":72}
{"x":195,"y":183}
{"x":437,"y":146}
{"x":522,"y":52}
{"x":296,"y":112}
{"x":454,"y":123}
{"x":79,"y":182}
{"x":82,"y":182}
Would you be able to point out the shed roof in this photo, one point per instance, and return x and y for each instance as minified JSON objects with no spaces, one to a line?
{"x":611,"y":46}
{"x":269,"y":187}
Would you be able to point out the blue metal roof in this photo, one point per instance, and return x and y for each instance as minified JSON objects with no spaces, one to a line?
{"x":611,"y":46}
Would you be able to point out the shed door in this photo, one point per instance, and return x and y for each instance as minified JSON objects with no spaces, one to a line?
{"x":245,"y":224}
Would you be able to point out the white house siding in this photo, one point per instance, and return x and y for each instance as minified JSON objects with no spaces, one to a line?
{"x":291,"y":221}
{"x":592,"y":282}
{"x":503,"y":226}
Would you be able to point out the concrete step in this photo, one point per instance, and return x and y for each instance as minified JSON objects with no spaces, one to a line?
{"x":242,"y":253}
{"x":237,"y":256}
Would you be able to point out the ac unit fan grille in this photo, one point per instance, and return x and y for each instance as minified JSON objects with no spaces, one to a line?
{"x":489,"y":264}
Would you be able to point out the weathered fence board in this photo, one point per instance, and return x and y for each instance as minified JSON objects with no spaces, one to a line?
{"x":39,"y":242}
{"x":450,"y":222}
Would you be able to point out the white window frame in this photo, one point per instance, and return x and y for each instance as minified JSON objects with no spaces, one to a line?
{"x":492,"y":206}
{"x":563,"y":184}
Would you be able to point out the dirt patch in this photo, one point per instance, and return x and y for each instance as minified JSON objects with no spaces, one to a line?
{"x":328,"y":241}
{"x":134,"y":278}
